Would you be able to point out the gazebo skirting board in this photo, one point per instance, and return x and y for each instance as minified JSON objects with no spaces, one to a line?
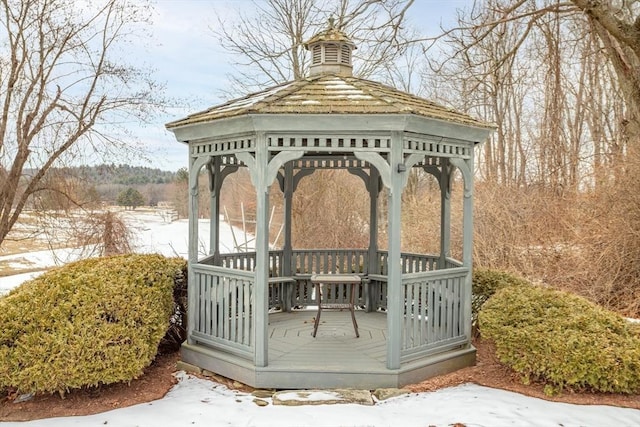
{"x":433,"y":336}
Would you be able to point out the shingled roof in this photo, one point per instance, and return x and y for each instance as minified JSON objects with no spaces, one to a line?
{"x":330,"y":94}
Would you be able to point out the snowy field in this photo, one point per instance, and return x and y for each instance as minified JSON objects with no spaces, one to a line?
{"x":198,"y":402}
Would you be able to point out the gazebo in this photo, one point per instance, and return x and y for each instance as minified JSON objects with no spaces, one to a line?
{"x":414,"y":309}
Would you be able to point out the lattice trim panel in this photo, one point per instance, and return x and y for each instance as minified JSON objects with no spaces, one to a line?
{"x":228,"y":146}
{"x":328,"y":163}
{"x":437,"y":146}
{"x":333,"y":143}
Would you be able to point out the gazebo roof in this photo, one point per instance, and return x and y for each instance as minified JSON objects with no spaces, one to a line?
{"x":331,"y":34}
{"x":330,"y":94}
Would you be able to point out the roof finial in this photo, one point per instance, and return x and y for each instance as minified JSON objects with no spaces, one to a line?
{"x":331,"y":22}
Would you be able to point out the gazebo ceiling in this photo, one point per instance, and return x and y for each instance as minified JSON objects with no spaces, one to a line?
{"x":330,"y":94}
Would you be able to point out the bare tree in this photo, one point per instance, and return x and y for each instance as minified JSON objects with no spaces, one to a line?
{"x":617,"y":24}
{"x":65,"y":84}
{"x":560,"y":80}
{"x":268,"y":42}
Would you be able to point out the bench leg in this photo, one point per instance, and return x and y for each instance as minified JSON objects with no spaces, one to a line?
{"x":319,"y":312}
{"x":352,"y":309}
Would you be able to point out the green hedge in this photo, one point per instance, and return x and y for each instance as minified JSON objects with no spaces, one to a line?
{"x":562,"y":340}
{"x":92,"y":322}
{"x":487,"y":282}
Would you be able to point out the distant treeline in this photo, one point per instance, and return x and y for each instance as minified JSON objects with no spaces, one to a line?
{"x":120,"y":174}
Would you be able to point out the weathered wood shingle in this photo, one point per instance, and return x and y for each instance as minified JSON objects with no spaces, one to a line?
{"x":330,"y":94}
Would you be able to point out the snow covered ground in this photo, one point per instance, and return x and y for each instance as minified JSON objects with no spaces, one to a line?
{"x":195,"y":401}
{"x":198,"y":402}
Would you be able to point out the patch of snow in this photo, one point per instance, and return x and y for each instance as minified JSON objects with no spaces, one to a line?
{"x":359,"y":96}
{"x":9,"y":282}
{"x":199,"y":402}
{"x":152,"y":234}
{"x":249,"y":101}
{"x":318,"y":395}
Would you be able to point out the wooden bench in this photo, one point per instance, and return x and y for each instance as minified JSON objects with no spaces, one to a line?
{"x":335,"y":279}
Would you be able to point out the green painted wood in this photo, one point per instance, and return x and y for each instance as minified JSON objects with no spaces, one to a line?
{"x":374,"y":187}
{"x":445,"y":212}
{"x":375,"y":144}
{"x":288,"y":190}
{"x":394,"y":288}
{"x":349,"y":124}
{"x":261,"y":179}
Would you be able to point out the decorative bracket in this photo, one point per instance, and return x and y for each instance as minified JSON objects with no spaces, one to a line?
{"x":408,"y":163}
{"x":466,"y":175}
{"x":194,"y":171}
{"x":297,"y":177}
{"x":272,"y":167}
{"x":379,"y":163}
{"x":216,"y":179}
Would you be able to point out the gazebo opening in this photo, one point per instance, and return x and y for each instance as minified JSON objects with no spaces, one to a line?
{"x":401,"y":317}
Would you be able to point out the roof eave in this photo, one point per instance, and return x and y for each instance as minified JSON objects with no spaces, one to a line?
{"x":338,"y":123}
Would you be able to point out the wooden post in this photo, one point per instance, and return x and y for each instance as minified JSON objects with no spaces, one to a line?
{"x":394,"y":278}
{"x":215,"y":185}
{"x":261,"y":294}
{"x":466,"y":167}
{"x":287,"y":247}
{"x":467,"y":243}
{"x":374,"y":267}
{"x":445,"y":212}
{"x":195,"y":164}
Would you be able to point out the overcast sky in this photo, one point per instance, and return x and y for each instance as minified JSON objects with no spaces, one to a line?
{"x":189,"y":61}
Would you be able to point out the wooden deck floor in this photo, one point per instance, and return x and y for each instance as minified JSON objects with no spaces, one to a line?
{"x":334,"y":359}
{"x":335,"y":347}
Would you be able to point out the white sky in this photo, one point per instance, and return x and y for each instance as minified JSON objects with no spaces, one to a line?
{"x":189,"y":60}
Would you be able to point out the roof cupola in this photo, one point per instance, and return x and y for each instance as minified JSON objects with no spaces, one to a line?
{"x":330,"y":52}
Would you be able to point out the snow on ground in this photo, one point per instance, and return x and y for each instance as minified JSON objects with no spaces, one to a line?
{"x":152,"y":234}
{"x":199,"y":402}
{"x":10,"y":282}
{"x":195,"y":401}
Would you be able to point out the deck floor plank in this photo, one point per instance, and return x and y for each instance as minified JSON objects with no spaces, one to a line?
{"x":335,"y":346}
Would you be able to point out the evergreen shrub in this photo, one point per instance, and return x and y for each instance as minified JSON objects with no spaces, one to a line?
{"x":92,"y":322}
{"x":562,"y":340}
{"x":485,"y":283}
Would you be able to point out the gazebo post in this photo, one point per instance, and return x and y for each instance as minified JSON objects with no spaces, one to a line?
{"x":374,"y":268}
{"x":445,"y":212}
{"x":261,"y":319}
{"x":394,"y":279}
{"x":467,"y":239}
{"x":287,"y":247}
{"x":195,"y":164}
{"x":214,"y":188}
{"x":466,"y":168}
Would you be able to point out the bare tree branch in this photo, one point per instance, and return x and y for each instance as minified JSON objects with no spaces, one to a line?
{"x":63,"y":81}
{"x":269,"y":43}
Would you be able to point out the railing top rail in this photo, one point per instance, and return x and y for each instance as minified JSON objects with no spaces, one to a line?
{"x":237,"y":254}
{"x":436,"y":274}
{"x":222,"y":271}
{"x":332,"y":250}
{"x":434,"y":256}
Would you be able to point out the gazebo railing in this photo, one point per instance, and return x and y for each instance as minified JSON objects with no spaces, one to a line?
{"x":433,"y":314}
{"x":330,"y":261}
{"x":305,"y":262}
{"x":224,"y":307}
{"x":247,"y":261}
{"x":433,"y":318}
